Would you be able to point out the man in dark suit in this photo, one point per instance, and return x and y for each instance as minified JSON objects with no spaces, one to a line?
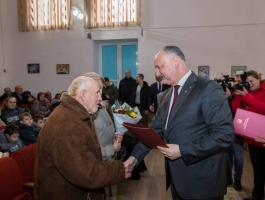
{"x":197,"y":130}
{"x":125,"y":87}
{"x":155,"y":89}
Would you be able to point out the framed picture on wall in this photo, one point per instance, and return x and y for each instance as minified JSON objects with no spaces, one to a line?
{"x":204,"y":71}
{"x":234,"y":69}
{"x":34,"y":68}
{"x":62,"y":69}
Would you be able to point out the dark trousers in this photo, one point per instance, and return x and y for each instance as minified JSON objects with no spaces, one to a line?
{"x":144,"y":120}
{"x":257,"y":157}
{"x":175,"y":195}
{"x":129,"y":142}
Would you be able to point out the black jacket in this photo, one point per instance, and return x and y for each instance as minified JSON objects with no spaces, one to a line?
{"x":144,"y":95}
{"x":3,"y":97}
{"x":125,"y":89}
{"x":24,"y":99}
{"x":153,"y":94}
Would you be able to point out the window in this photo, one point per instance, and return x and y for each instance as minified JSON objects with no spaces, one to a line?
{"x":112,"y":13}
{"x":44,"y":14}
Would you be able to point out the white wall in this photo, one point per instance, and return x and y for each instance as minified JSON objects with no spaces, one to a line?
{"x":210,"y":32}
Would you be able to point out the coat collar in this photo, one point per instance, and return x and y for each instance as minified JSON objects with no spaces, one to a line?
{"x":72,"y":104}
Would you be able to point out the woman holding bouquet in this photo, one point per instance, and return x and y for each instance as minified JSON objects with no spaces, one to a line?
{"x":109,"y":141}
{"x":253,"y":100}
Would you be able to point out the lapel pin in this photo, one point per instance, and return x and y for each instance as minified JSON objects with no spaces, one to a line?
{"x":185,"y":91}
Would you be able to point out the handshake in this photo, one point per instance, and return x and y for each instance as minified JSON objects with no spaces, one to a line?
{"x":129,"y":165}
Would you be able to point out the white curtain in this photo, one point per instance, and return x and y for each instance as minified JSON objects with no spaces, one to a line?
{"x":112,"y":13}
{"x":44,"y":14}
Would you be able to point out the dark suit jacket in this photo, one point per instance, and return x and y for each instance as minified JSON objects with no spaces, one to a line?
{"x":24,"y":100}
{"x":201,"y":123}
{"x":3,"y":97}
{"x":125,"y":89}
{"x":144,"y":94}
{"x":153,"y":94}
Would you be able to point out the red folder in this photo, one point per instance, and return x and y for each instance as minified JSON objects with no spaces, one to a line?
{"x":249,"y":124}
{"x":146,"y":134}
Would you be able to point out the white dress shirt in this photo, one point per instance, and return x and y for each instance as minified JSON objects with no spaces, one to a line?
{"x":180,"y":83}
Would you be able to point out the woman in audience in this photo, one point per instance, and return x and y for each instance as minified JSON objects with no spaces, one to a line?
{"x":253,"y":100}
{"x":10,"y":111}
{"x":109,"y":142}
{"x":48,"y":96}
{"x":40,"y":106}
{"x":57,"y":96}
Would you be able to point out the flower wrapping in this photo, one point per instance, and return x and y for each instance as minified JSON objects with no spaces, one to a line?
{"x":125,"y":113}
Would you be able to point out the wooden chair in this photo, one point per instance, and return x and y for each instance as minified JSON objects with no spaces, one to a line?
{"x":10,"y":181}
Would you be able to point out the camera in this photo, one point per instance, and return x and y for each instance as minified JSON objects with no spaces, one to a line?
{"x":225,"y":82}
{"x":244,"y":83}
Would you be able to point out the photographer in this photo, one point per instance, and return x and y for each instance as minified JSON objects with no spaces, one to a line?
{"x":235,"y":151}
{"x":253,"y":100}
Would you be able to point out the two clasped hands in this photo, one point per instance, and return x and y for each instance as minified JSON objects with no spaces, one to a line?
{"x":172,"y":153}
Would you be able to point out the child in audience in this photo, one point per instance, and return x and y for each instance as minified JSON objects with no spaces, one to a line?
{"x":28,"y":130}
{"x":38,"y":120}
{"x":9,"y":138}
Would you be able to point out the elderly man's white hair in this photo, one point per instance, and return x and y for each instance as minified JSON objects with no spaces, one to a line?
{"x":80,"y":83}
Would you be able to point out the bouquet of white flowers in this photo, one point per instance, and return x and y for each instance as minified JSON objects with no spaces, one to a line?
{"x":125,"y":113}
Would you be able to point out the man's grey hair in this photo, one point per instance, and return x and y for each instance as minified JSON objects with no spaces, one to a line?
{"x":17,"y":87}
{"x":80,"y":83}
{"x":174,"y":50}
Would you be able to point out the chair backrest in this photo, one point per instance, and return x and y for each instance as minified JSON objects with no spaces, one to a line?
{"x":2,"y":127}
{"x":25,"y":105}
{"x":25,"y":159}
{"x":10,"y":179}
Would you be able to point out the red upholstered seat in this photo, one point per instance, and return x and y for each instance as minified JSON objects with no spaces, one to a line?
{"x":10,"y":181}
{"x":2,"y":127}
{"x":25,"y":159}
{"x":25,"y":105}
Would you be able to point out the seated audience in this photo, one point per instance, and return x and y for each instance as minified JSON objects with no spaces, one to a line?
{"x":10,"y":112}
{"x":19,"y":96}
{"x":27,"y":95}
{"x":48,"y":96}
{"x":39,"y":120}
{"x":40,"y":106}
{"x":7,"y":93}
{"x":4,"y":152}
{"x":28,"y":130}
{"x":57,"y":96}
{"x":9,"y":138}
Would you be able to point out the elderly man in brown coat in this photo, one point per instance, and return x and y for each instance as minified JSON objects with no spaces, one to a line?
{"x":68,"y":161}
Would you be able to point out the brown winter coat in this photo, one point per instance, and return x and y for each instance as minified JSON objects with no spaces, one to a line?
{"x":68,"y":161}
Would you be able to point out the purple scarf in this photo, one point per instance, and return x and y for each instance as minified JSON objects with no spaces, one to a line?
{"x":38,"y":97}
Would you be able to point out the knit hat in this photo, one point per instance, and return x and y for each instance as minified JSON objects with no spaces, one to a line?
{"x":94,"y":76}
